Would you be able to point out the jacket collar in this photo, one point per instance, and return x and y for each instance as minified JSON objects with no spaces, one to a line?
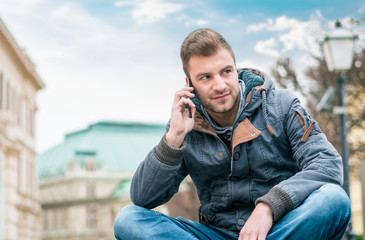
{"x":244,"y":132}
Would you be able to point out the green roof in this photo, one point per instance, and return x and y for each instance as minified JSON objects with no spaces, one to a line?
{"x":117,"y":146}
{"x":122,"y":189}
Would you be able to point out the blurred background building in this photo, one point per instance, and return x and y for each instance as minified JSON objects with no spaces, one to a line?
{"x":20,"y":212}
{"x":85,"y":180}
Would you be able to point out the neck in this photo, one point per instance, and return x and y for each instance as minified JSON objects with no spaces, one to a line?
{"x":225,"y":119}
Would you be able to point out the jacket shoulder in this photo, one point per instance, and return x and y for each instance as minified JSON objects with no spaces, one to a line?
{"x":285,"y":98}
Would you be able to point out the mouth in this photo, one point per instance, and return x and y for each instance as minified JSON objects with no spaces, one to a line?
{"x":221,"y":97}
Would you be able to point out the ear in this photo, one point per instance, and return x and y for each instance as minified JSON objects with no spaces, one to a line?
{"x":187,"y":81}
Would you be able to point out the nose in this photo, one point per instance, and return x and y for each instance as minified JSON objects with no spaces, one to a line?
{"x":219,"y":83}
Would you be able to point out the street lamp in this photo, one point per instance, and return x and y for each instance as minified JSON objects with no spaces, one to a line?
{"x":338,"y":50}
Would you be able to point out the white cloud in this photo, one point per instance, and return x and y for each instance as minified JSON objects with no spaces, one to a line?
{"x":257,"y":64}
{"x":289,"y":34}
{"x":201,"y":22}
{"x":123,"y":3}
{"x":294,"y":38}
{"x":268,"y":47}
{"x":150,"y":11}
{"x":193,"y":22}
{"x":279,"y":24}
{"x":260,"y":26}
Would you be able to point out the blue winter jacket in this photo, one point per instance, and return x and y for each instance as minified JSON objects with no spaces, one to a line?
{"x":280,"y":167}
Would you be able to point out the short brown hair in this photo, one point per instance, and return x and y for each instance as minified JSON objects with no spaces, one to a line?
{"x":202,"y":42}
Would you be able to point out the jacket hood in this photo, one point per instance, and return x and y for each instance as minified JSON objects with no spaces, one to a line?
{"x":256,"y":82}
{"x":258,"y":85}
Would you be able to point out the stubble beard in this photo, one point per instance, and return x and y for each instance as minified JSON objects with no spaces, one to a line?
{"x":216,"y":109}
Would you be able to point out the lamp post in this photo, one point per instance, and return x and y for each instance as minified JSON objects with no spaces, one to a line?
{"x":338,"y":49}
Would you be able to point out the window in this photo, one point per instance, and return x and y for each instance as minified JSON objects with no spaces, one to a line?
{"x":64,"y":218}
{"x":19,"y":112}
{"x":45,"y":220}
{"x":91,"y":215}
{"x":73,"y":166}
{"x":30,"y":178}
{"x":29,"y":117}
{"x":7,"y":95}
{"x":90,"y":189}
{"x":26,"y":174}
{"x":20,"y":174}
{"x":90,"y":165}
{"x":55,"y":219}
{"x":1,"y":90}
{"x":13,"y":101}
{"x":27,"y":123}
{"x":31,"y":121}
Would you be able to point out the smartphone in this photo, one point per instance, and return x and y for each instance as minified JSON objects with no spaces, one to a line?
{"x":188,"y":106}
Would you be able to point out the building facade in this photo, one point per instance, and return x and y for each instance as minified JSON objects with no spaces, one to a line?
{"x":20,"y":211}
{"x":85,"y":180}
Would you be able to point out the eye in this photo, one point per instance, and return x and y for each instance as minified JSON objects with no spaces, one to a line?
{"x":205,"y":77}
{"x":227,"y":71}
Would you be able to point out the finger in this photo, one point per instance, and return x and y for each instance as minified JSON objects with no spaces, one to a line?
{"x":262,"y":237}
{"x":193,"y":111}
{"x":186,"y":88}
{"x":184,"y":94}
{"x":240,"y":237}
{"x":243,"y":236}
{"x":184,"y":103}
{"x":180,"y":106}
{"x":254,"y":237}
{"x":246,"y":237}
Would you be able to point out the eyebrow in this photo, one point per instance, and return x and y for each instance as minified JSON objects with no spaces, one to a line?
{"x":208,"y":73}
{"x":202,"y":74}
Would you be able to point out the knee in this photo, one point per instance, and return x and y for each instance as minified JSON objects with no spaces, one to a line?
{"x":336,"y":195}
{"x":336,"y":200}
{"x":125,"y":213}
{"x":126,"y":219}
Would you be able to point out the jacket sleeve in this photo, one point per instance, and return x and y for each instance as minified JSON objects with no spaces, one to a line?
{"x":158,"y":177}
{"x":318,"y":160}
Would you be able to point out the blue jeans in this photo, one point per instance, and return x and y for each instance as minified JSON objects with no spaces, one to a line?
{"x":325,"y":214}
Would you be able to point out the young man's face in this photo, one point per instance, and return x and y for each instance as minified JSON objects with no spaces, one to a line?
{"x":215,"y":81}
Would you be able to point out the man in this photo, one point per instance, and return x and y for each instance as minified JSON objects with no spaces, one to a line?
{"x":261,"y":166}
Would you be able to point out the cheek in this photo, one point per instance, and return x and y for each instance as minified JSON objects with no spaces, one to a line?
{"x":198,"y":95}
{"x":202,"y":96}
{"x":234,"y":85}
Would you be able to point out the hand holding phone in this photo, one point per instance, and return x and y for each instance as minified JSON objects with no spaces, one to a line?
{"x":181,"y":121}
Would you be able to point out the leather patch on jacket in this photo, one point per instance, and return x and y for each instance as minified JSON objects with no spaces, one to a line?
{"x":203,"y":219}
{"x":202,"y":125}
{"x":244,"y":132}
{"x":306,"y":131}
{"x":301,"y":120}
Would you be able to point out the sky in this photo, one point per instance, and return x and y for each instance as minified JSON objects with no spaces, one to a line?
{"x":118,"y":60}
